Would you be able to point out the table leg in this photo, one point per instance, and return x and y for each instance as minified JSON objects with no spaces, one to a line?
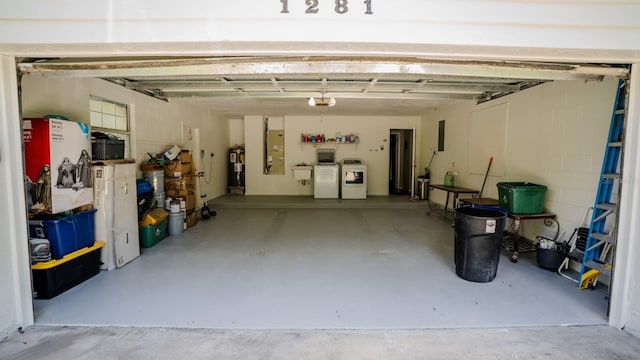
{"x":515,"y":238}
{"x":446,"y":204}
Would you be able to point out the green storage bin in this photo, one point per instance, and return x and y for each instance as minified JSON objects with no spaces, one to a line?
{"x":521,"y":198}
{"x":152,"y":234}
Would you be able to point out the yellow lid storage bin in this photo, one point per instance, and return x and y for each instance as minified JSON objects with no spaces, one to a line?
{"x":54,"y":277}
{"x":152,"y":234}
{"x":154,"y":217}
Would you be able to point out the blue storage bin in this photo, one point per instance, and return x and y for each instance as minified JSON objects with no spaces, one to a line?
{"x":143,"y":186}
{"x":66,"y":234}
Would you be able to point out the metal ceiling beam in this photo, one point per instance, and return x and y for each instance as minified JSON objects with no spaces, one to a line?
{"x":337,"y":95}
{"x":274,"y":82}
{"x":181,"y":85}
{"x":323,"y":67}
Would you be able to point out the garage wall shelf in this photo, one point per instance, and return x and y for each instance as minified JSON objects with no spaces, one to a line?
{"x":322,"y":139}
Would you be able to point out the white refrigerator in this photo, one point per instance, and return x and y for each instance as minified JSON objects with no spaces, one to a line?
{"x":116,"y":218}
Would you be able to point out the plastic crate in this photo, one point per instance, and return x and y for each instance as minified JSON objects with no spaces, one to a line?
{"x":57,"y":276}
{"x":521,"y":197}
{"x":152,"y":234}
{"x":107,"y":149}
{"x":66,"y":234}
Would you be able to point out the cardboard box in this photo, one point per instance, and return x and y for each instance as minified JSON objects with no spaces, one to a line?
{"x":191,"y":201}
{"x":185,"y":156}
{"x":177,"y":168}
{"x":179,"y":186}
{"x":192,"y":218}
{"x":172,"y":193}
{"x":58,"y":161}
{"x":151,"y":167}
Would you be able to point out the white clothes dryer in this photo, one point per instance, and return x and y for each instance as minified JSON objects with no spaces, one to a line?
{"x":354,"y":179}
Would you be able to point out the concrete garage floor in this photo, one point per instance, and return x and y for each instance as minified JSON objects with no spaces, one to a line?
{"x":291,"y":268}
{"x":558,"y":343}
{"x":288,"y":281}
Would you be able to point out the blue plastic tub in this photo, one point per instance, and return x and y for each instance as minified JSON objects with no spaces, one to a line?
{"x":66,"y":234}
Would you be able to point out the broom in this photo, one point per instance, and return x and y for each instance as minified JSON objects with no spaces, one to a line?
{"x":485,"y":177}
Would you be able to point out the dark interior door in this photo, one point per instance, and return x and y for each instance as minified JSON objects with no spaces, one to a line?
{"x":400,"y":157}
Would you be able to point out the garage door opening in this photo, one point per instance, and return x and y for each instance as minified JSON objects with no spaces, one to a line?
{"x":343,"y":267}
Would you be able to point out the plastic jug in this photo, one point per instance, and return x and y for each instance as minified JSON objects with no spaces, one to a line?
{"x":448,"y":178}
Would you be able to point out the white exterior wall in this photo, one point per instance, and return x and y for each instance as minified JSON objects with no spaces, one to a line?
{"x":587,"y":30}
{"x":373,"y":149}
{"x":15,"y":286}
{"x":625,"y":307}
{"x":461,"y":28}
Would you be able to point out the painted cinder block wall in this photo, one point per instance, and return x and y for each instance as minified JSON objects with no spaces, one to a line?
{"x":554,"y":135}
{"x":372,"y":149}
{"x":156,"y":125}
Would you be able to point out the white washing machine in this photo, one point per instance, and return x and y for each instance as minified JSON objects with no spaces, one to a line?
{"x":354,"y":179}
{"x":326,"y":175}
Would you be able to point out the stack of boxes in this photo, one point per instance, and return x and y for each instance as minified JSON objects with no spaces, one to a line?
{"x":180,"y":185}
{"x":60,"y":198}
{"x":174,"y":189}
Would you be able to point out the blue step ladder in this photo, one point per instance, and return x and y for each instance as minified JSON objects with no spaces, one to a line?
{"x":601,"y":238}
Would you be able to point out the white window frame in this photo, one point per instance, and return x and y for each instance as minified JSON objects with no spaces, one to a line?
{"x":125,"y":134}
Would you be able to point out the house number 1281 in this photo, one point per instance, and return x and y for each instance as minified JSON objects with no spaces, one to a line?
{"x":341,"y":6}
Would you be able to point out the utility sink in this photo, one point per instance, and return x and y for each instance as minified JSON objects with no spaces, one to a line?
{"x":302,"y":172}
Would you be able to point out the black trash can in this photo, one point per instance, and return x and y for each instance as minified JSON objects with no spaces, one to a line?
{"x":478,"y":238}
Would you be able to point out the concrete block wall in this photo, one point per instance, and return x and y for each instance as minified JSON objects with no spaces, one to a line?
{"x":555,"y":136}
{"x":155,"y":124}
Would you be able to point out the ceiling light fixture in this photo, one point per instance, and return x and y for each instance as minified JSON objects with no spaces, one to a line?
{"x":322,"y":100}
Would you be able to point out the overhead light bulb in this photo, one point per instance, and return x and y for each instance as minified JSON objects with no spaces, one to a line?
{"x":322,"y":101}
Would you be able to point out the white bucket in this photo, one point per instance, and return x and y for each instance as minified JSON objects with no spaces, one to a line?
{"x":175,"y":206}
{"x":156,"y":178}
{"x":176,"y":223}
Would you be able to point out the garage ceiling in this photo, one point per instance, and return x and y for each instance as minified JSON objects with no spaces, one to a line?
{"x":283,"y":85}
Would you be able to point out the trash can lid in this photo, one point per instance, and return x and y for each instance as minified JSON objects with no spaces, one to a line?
{"x":481,"y":212}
